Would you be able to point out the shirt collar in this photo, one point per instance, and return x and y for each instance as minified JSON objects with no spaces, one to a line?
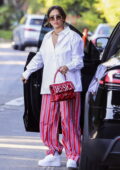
{"x":63,"y":32}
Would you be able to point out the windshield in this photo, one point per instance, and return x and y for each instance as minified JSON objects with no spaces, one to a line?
{"x":105,"y":30}
{"x":36,"y":21}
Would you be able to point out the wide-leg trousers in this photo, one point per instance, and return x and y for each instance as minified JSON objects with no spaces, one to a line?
{"x":69,"y":111}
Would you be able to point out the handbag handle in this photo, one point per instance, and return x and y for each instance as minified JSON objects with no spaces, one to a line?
{"x":56,"y":75}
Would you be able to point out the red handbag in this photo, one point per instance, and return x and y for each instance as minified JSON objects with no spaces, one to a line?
{"x":62,"y":91}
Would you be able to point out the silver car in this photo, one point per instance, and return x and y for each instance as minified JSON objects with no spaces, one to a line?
{"x":102,"y":30}
{"x":27,"y":33}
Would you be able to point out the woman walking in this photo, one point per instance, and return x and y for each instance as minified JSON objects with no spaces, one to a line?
{"x":61,"y":49}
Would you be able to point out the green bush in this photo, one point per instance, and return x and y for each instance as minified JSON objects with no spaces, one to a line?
{"x":8,"y":16}
{"x":6,"y":34}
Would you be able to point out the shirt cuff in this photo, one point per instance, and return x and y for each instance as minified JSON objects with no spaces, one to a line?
{"x":70,"y":66}
{"x":26,"y":74}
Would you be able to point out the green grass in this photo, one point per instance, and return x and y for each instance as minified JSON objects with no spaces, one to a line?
{"x":5,"y":34}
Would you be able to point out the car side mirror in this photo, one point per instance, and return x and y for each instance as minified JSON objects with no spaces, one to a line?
{"x":101,"y":43}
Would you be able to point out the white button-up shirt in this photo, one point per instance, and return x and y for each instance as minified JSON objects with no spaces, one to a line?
{"x":68,"y":51}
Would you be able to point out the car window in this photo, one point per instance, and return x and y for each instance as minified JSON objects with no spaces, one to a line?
{"x":113,"y":45}
{"x":105,"y":30}
{"x":36,"y":21}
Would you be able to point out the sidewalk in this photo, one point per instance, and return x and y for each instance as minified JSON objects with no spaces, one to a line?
{"x":5,"y":44}
{"x":20,"y":150}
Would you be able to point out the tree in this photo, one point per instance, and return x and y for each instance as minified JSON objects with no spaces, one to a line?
{"x":7,"y":16}
{"x":39,"y":6}
{"x":110,"y":10}
{"x":76,"y":7}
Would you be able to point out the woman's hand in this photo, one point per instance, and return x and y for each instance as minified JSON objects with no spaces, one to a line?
{"x":24,"y":80}
{"x":63,"y":69}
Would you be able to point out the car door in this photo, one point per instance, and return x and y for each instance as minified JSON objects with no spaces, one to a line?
{"x":32,"y":97}
{"x":113,"y":44}
{"x":32,"y":88}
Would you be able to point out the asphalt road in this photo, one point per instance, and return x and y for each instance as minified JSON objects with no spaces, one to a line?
{"x":11,"y":67}
{"x":18,"y":149}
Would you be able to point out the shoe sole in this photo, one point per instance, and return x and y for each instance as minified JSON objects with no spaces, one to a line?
{"x":50,"y":164}
{"x":71,"y":167}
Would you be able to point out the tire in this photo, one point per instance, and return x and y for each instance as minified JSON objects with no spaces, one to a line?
{"x":15,"y":47}
{"x":21,"y":48}
{"x":86,"y":164}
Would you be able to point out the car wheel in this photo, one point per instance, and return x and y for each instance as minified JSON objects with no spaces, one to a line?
{"x":21,"y":47}
{"x":15,"y":47}
{"x":86,"y":164}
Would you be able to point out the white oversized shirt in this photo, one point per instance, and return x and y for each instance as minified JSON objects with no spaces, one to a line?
{"x":67,"y":51}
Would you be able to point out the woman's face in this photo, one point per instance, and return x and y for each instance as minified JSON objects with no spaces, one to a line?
{"x":55,"y":19}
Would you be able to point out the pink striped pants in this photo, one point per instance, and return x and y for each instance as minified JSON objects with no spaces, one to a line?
{"x":69,"y":111}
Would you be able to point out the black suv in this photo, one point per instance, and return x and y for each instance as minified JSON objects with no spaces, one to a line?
{"x":100,"y":111}
{"x":101,"y":134}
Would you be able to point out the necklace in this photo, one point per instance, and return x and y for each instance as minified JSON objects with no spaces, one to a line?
{"x":55,"y":33}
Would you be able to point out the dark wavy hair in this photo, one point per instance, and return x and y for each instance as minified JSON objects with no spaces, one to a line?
{"x":60,"y":9}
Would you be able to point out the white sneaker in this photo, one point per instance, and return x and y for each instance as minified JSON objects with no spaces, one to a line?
{"x":50,"y":160}
{"x":71,"y":163}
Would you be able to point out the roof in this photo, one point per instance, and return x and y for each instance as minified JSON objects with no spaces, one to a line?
{"x":35,"y":16}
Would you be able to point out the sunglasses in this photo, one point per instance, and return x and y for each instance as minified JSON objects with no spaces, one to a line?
{"x":55,"y":17}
